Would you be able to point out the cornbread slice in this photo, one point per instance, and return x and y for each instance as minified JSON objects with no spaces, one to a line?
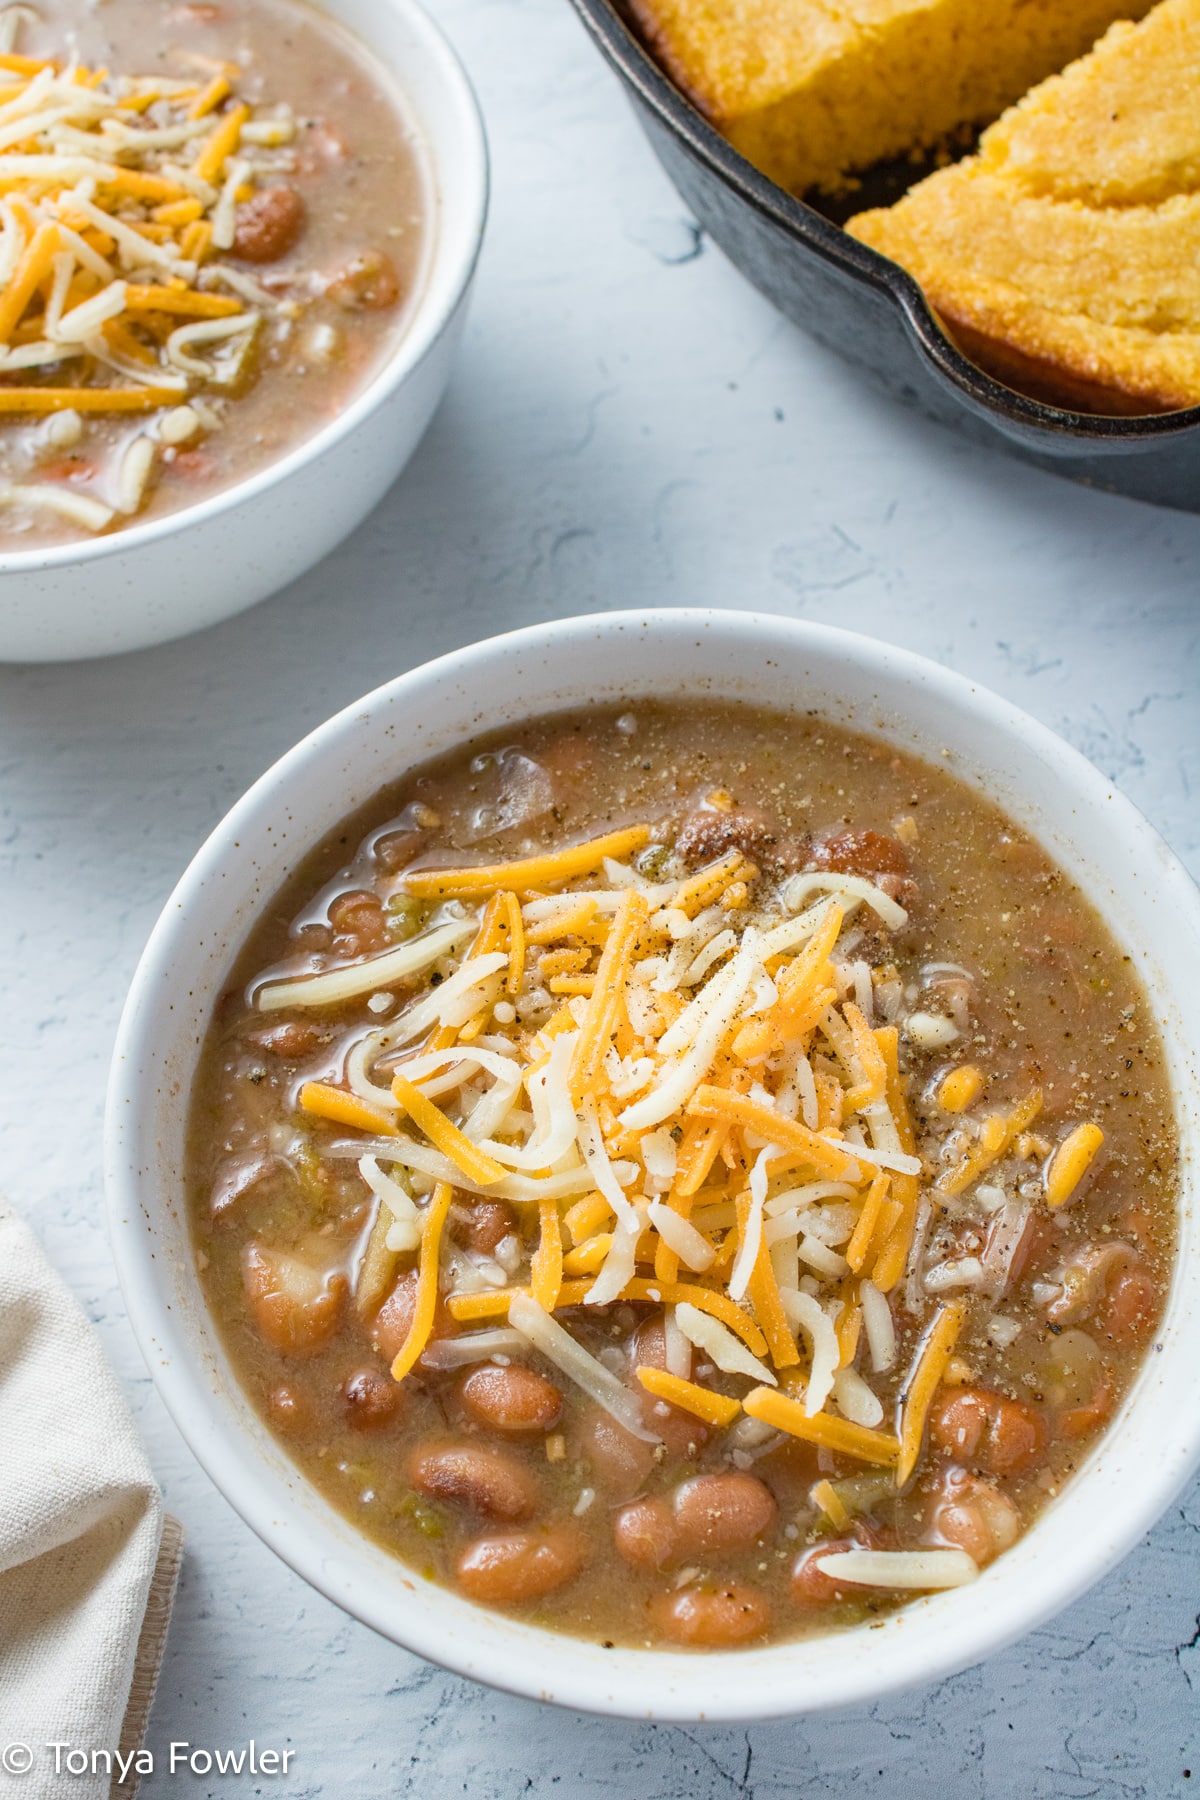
{"x":1067,"y":251}
{"x":811,"y":89}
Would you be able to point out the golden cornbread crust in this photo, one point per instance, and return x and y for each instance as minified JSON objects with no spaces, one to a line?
{"x":810,"y":90}
{"x":1068,"y":247}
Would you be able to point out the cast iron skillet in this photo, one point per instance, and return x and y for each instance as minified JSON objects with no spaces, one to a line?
{"x":855,"y":300}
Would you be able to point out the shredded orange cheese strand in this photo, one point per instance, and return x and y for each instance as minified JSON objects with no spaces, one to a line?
{"x":959,"y":1088}
{"x":586,"y":1217}
{"x":789,"y":1134}
{"x":546,"y":1271}
{"x":516,"y":944}
{"x":692,"y":896}
{"x":825,"y":1495}
{"x":722,"y":1308}
{"x":343,"y":1108}
{"x":446,"y":1135}
{"x":698,"y":1150}
{"x":997,"y":1135}
{"x":923,"y":1384}
{"x":425,"y":1304}
{"x":1071,"y":1161}
{"x":897,"y":1236}
{"x":568,"y":922}
{"x":30,"y":272}
{"x":609,"y":993}
{"x":714,"y":1409}
{"x":494,"y":1302}
{"x":860,"y":1240}
{"x":221,"y":145}
{"x":763,"y":1293}
{"x":838,"y":1435}
{"x":536,"y":871}
{"x":86,"y":400}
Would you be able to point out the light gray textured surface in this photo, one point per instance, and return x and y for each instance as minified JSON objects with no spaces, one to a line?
{"x":629,"y":424}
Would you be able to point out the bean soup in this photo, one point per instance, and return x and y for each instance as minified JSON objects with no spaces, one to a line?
{"x":688,"y":1175}
{"x":213,"y":225}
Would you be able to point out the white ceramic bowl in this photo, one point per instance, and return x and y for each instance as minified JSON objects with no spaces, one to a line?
{"x":148,"y":583}
{"x":1141,"y":891}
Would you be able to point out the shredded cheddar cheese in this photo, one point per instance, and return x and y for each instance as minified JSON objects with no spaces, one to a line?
{"x":425,"y":1305}
{"x":708,"y":1118}
{"x":714,"y":1409}
{"x":1071,"y":1161}
{"x":831,"y":1433}
{"x":926,"y":1377}
{"x":327,"y":1102}
{"x":118,"y":195}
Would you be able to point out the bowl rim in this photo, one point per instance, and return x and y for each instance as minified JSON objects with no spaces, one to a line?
{"x":742,"y":1685}
{"x":634,"y":62}
{"x":435,"y":306}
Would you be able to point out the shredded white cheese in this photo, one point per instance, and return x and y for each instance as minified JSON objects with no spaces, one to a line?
{"x":879,"y":1326}
{"x":373,"y":972}
{"x":719,"y":1343}
{"x":900,"y":1568}
{"x":804,"y":1313}
{"x":558,"y":1346}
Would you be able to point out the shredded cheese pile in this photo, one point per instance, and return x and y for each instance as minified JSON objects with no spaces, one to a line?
{"x":118,"y":196}
{"x":711,"y":1120}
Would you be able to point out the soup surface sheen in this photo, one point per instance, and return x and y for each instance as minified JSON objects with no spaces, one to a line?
{"x":703,"y":1239}
{"x":241,"y":172}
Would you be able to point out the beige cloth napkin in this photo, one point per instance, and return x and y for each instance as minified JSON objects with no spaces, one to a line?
{"x":87,"y":1565}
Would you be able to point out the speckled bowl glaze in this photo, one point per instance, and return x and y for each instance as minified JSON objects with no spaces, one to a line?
{"x":159,"y":580}
{"x":1145,"y":897}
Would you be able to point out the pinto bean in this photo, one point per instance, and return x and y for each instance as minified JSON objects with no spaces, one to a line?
{"x":487,"y":1481}
{"x":268,"y":224}
{"x":859,"y":853}
{"x":367,"y":283}
{"x":395,"y":851}
{"x":707,"y":834}
{"x":289,"y":1408}
{"x":646,"y":1536}
{"x":720,"y":1515}
{"x":293,"y":1039}
{"x":713,"y":1615}
{"x":1086,"y":1278}
{"x":370,"y":1398}
{"x":393,"y":1321}
{"x":296,"y":1307}
{"x":811,"y":1586}
{"x":359,"y":923}
{"x":485,"y":1223}
{"x":619,"y":1462}
{"x":513,"y":1399}
{"x":681,"y":1431}
{"x":975,"y":1516}
{"x":513,"y":1567}
{"x":238,"y":1178}
{"x":983,"y":1428}
{"x":1128,"y":1307}
{"x":1081,"y":1421}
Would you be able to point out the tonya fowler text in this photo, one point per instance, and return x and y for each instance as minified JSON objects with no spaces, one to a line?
{"x":180,"y":1759}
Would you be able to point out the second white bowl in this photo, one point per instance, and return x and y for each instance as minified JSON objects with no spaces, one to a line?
{"x":149,"y":583}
